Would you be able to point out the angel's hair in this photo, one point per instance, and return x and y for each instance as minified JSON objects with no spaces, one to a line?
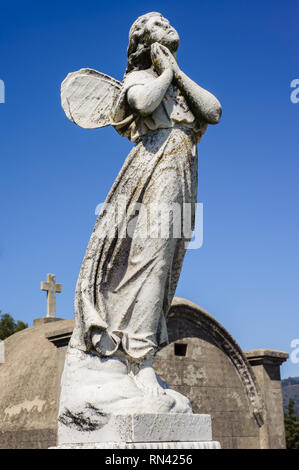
{"x":139,"y":49}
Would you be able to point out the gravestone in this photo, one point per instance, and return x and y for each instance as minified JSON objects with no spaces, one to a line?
{"x":51,"y":288}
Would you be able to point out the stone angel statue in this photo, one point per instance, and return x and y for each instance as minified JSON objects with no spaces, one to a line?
{"x":127,"y":281}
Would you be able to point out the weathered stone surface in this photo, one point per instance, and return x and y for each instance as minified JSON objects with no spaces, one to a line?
{"x":266,"y":356}
{"x":266,"y":365}
{"x":247,"y":442}
{"x":30,"y":388}
{"x":89,"y":110}
{"x":140,"y":428}
{"x":95,"y":388}
{"x":144,"y":445}
{"x":39,"y":430}
{"x":51,"y":288}
{"x":42,"y":320}
{"x":134,"y":257}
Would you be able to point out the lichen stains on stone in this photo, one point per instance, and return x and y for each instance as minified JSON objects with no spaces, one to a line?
{"x":82,"y":421}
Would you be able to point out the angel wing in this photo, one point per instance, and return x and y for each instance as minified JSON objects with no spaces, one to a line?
{"x":88,"y":97}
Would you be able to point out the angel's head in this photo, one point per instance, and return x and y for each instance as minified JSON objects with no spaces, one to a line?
{"x":146,"y":30}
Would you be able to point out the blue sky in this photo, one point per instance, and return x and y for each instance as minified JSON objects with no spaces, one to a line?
{"x":53,"y":173}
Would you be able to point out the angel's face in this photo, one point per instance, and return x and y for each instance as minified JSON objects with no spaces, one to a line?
{"x":162,"y":32}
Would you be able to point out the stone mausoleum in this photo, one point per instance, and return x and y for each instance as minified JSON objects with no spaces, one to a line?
{"x":241,"y":390}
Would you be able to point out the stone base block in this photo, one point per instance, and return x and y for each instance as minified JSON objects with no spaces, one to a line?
{"x":143,"y":445}
{"x":43,"y":320}
{"x":139,"y":429}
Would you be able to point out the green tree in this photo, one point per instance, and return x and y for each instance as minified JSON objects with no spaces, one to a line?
{"x":8,"y":326}
{"x":291,"y":427}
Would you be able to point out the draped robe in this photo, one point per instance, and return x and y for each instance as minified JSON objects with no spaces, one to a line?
{"x":130,"y":270}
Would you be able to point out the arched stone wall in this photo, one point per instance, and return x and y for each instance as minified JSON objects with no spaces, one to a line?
{"x":204,"y":363}
{"x":30,"y":388}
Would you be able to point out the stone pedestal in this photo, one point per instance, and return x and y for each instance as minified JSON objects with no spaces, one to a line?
{"x":143,"y":445}
{"x":266,"y":366}
{"x":143,"y":431}
{"x":43,"y":320}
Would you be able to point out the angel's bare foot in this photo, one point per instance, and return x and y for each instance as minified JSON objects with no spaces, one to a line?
{"x":145,"y":377}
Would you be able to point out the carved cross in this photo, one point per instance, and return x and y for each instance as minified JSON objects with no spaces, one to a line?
{"x":51,"y":287}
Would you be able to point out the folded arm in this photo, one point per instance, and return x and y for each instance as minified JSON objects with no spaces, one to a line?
{"x":202,"y":103}
{"x":146,"y":98}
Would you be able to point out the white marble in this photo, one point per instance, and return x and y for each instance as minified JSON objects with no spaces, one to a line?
{"x":89,"y":110}
{"x":143,"y":445}
{"x":164,"y":427}
{"x":130,"y":270}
